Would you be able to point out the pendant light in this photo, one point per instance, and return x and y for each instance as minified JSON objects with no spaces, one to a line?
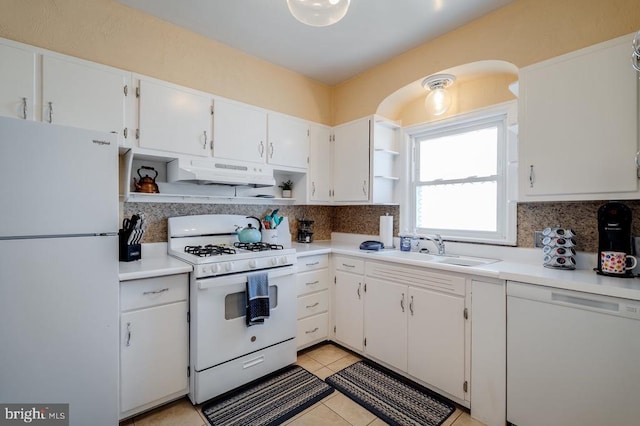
{"x":438,"y":100}
{"x":318,"y":13}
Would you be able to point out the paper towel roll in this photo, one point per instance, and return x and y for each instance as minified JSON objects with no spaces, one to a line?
{"x":386,"y":231}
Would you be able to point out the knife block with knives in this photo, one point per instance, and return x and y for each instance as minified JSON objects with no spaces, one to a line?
{"x":130,"y":236}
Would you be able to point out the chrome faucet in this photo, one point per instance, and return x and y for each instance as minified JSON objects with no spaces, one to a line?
{"x":437,"y":240}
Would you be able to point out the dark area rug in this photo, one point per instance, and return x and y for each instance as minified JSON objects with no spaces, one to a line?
{"x":268,"y":401}
{"x":391,"y":397}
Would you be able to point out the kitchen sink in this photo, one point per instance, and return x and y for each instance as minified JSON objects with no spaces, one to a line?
{"x":424,"y":257}
{"x":464,"y":260}
{"x":447,"y":259}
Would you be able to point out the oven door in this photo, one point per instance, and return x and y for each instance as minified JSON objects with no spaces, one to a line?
{"x":219,"y":332}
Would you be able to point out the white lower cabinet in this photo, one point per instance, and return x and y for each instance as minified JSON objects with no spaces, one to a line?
{"x":312,"y":282}
{"x":436,"y":340}
{"x":348,"y":302}
{"x":489,"y":354}
{"x":385,"y":321}
{"x":414,"y":320}
{"x":154,"y":343}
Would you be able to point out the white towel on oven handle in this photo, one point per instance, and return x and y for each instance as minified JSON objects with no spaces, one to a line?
{"x":257,"y":298}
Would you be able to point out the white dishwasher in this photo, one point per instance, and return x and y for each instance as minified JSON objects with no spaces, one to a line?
{"x":573,"y":358}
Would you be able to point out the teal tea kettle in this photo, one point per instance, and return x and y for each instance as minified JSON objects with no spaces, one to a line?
{"x":250,"y":234}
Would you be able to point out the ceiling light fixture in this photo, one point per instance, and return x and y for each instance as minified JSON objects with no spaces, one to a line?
{"x":318,"y":13}
{"x":438,"y":100}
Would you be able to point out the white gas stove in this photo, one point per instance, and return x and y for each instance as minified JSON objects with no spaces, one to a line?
{"x":225,"y":351}
{"x":210,"y":243}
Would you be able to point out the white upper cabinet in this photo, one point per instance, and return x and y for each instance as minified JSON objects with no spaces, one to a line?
{"x":351,"y":161}
{"x":320,"y":163}
{"x":578,"y":125}
{"x":364,"y":161}
{"x":288,"y":139}
{"x":239,"y":132}
{"x":84,"y":94}
{"x":18,"y":83}
{"x":173,"y":118}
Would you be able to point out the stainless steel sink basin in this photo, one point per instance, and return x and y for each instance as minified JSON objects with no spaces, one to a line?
{"x":464,"y":260}
{"x":424,"y":257}
{"x":443,"y":259}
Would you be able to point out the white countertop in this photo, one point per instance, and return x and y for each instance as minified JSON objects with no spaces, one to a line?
{"x":154,"y":263}
{"x":524,"y":265}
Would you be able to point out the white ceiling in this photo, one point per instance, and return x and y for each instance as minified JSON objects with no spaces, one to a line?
{"x":372,"y":32}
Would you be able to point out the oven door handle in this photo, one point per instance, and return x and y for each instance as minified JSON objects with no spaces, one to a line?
{"x":207,"y":283}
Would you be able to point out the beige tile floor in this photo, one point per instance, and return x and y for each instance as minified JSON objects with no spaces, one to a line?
{"x":335,"y":409}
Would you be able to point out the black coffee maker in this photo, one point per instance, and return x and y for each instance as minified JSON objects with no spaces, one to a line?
{"x":614,"y":234}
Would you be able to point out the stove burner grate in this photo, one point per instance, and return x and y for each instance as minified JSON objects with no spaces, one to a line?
{"x":208,"y":250}
{"x":258,"y":246}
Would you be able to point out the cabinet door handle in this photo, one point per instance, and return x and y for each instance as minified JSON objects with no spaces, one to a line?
{"x":50,"y":112}
{"x":313,"y":306}
{"x":271,"y":150}
{"x":348,"y":266}
{"x":312,"y":283}
{"x":311,"y":331}
{"x":24,"y":108}
{"x":313,"y":185}
{"x":411,"y":306}
{"x":637,"y":158}
{"x":156,"y":291}
{"x":402,"y":302}
{"x":364,"y":187}
{"x":204,"y":144}
{"x":359,"y":286}
{"x":261,"y":149}
{"x":531,"y":176}
{"x":312,"y":263}
{"x":128,"y":334}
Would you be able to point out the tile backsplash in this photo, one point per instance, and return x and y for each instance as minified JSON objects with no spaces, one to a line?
{"x":351,"y":219}
{"x":581,"y":216}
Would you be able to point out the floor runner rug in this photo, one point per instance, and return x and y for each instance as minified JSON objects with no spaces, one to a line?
{"x":390,"y":397}
{"x":269,"y":401}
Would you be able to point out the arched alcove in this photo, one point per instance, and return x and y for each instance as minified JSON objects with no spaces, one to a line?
{"x":477,"y":85}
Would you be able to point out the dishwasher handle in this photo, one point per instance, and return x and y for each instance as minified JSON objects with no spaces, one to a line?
{"x":567,"y":299}
{"x":575,"y":299}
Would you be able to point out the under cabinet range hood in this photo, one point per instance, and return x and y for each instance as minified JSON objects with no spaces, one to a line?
{"x":220,"y":172}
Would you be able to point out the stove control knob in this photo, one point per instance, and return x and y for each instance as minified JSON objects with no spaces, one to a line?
{"x":283,"y":260}
{"x":215,"y":268}
{"x":253,"y":264}
{"x":204,"y":269}
{"x":228,"y":266}
{"x":274,"y":261}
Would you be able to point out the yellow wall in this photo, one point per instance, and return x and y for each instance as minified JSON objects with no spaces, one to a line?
{"x":522,"y":33}
{"x":107,"y":32}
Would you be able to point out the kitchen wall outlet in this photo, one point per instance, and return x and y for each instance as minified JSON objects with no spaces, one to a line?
{"x":537,"y":238}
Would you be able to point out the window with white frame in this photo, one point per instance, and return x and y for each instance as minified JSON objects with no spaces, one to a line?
{"x":462,"y":183}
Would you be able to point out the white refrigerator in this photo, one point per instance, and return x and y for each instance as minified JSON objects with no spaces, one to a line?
{"x":59,"y":269}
